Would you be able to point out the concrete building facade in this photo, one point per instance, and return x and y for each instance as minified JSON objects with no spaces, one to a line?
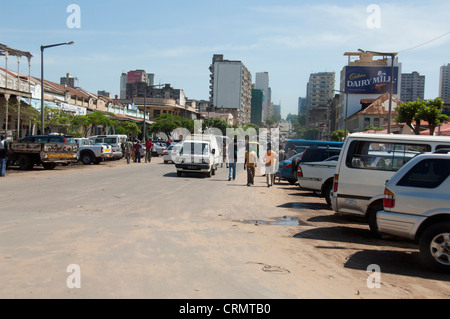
{"x":231,"y":88}
{"x":413,"y":87}
{"x":444,"y":83}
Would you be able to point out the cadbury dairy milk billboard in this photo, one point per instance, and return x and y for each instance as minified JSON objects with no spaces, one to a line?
{"x":370,"y":79}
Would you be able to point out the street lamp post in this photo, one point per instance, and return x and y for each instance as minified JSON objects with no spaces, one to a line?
{"x":42,"y":78}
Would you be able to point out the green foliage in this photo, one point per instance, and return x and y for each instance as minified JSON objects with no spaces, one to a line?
{"x":412,"y":113}
{"x":167,"y":123}
{"x":337,"y":136}
{"x":218,"y":123}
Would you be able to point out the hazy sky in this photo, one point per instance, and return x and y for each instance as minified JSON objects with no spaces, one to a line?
{"x":176,"y":40}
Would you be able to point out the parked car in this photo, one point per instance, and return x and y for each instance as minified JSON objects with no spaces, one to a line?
{"x":158,"y":148}
{"x":300,"y":145}
{"x":115,"y":141}
{"x":367,"y":161}
{"x":417,"y":207}
{"x":92,"y":153}
{"x":171,"y":152}
{"x":287,"y":169}
{"x":318,"y":176}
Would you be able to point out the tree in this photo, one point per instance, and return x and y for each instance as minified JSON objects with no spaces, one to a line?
{"x":432,"y":113}
{"x":412,"y":113}
{"x":167,"y":123}
{"x":337,"y":136}
{"x":218,"y":123}
{"x":408,"y":113}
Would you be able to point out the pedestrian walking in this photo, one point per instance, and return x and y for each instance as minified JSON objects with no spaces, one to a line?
{"x":232,"y":160}
{"x":148,"y":150}
{"x":3,"y":155}
{"x":224,"y":154}
{"x":128,"y":150}
{"x":270,"y":160}
{"x":251,"y":159}
{"x":137,"y":151}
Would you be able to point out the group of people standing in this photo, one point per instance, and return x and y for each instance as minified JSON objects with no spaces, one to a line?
{"x":251,"y":162}
{"x":132,"y":150}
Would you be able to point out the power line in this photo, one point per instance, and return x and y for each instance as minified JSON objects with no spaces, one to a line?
{"x":417,"y":46}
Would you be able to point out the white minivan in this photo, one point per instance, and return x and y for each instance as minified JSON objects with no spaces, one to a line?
{"x":366,"y":162}
{"x":198,"y":154}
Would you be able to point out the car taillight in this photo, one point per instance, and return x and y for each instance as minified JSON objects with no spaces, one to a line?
{"x":299,"y":172}
{"x":389,"y":198}
{"x":335,"y":183}
{"x":166,"y":153}
{"x":288,"y":165}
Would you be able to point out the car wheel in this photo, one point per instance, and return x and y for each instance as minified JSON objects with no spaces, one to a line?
{"x":327,"y":193}
{"x":178,"y":174}
{"x":25,"y":162}
{"x":49,"y":165}
{"x":372,"y":218}
{"x":86,"y":158}
{"x":434,"y":247}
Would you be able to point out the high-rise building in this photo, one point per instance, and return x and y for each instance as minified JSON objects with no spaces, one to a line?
{"x":413,"y":87}
{"x":444,"y":83}
{"x":69,"y":80}
{"x":302,"y":105}
{"x":135,"y":76}
{"x":320,"y":89}
{"x":231,"y":88}
{"x":257,"y":106}
{"x":262,"y":83}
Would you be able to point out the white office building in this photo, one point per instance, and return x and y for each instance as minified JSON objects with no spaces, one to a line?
{"x":231,"y":88}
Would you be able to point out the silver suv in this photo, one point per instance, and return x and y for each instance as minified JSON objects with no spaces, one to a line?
{"x":417,"y":207}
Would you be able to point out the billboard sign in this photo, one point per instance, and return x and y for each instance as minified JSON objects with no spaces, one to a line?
{"x":370,"y":79}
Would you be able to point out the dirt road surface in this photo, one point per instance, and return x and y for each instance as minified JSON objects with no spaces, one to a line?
{"x":139,"y":231}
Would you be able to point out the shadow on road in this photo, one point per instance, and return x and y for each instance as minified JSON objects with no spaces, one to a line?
{"x":403,"y":263}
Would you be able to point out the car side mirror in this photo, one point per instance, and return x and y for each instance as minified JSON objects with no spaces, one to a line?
{"x":213,"y":151}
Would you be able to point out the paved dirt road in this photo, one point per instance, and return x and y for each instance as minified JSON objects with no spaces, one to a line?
{"x":139,"y":231}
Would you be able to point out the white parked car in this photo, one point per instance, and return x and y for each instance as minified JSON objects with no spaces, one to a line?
{"x":366,"y":162}
{"x":171,"y":152}
{"x":417,"y":207}
{"x":158,"y":148}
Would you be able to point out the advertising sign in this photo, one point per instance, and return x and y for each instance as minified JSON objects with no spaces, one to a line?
{"x":370,"y":79}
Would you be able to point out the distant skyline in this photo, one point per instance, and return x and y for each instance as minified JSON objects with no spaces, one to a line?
{"x":176,"y":40}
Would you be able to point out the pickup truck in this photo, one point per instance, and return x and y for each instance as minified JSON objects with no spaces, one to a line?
{"x":89,"y":153}
{"x":318,"y":176}
{"x":46,"y":150}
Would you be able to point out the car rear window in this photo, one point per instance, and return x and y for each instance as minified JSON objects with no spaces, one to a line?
{"x":428,"y":173}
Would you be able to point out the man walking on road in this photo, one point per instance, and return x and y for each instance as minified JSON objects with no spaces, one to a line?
{"x":137,"y":151}
{"x":148,"y":150}
{"x":128,"y":149}
{"x":232,"y":159}
{"x":251,"y":159}
{"x":270,"y":159}
{"x":3,"y":157}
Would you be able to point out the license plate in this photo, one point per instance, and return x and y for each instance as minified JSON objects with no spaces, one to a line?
{"x":192,"y":167}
